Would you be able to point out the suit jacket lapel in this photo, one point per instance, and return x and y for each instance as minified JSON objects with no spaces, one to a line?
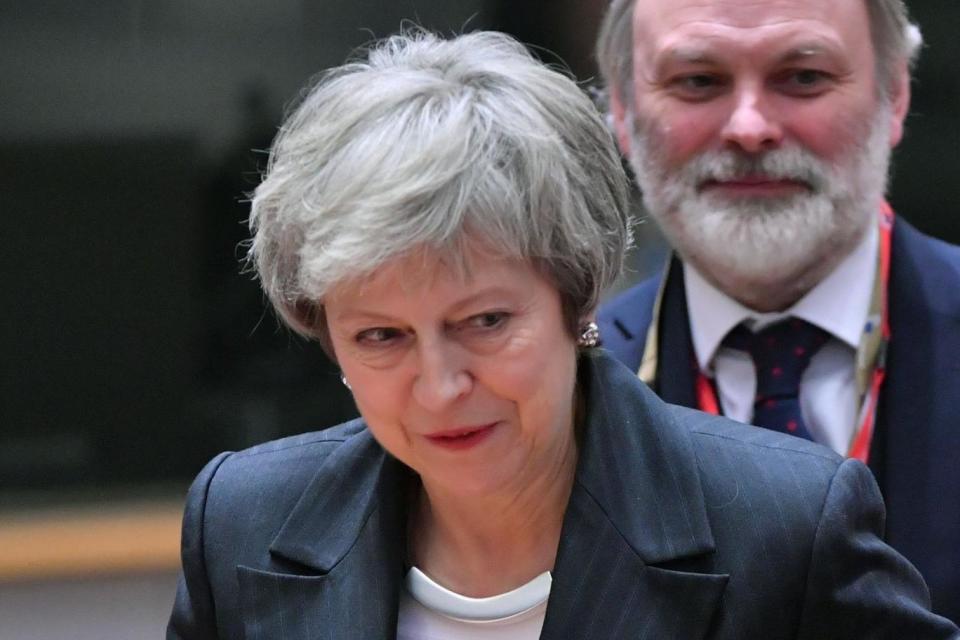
{"x":912,"y":455}
{"x":676,"y":365}
{"x":339,"y":556}
{"x":636,"y":539}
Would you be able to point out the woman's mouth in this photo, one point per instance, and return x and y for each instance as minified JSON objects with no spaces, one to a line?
{"x":461,"y":438}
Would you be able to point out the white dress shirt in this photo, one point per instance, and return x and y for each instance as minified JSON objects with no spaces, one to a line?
{"x":839,"y":304}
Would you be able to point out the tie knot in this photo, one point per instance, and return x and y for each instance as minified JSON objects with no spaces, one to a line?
{"x":780,"y":353}
{"x":791,"y":340}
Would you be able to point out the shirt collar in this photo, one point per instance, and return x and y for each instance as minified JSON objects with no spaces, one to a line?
{"x":838,"y":304}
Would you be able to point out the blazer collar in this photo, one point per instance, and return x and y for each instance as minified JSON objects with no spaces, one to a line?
{"x":359,"y":479}
{"x":676,"y":363}
{"x":638,"y":464}
{"x":636,"y":540}
{"x":632,"y":554}
{"x":339,"y":557}
{"x":920,"y":398}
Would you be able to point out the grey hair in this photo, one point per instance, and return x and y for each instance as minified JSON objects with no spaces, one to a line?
{"x":428,"y":142}
{"x":895,"y":40}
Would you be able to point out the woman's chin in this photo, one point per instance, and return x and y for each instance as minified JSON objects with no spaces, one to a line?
{"x":478,"y":466}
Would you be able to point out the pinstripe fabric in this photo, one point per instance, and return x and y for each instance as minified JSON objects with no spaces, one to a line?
{"x":679,"y":526}
{"x":917,"y":443}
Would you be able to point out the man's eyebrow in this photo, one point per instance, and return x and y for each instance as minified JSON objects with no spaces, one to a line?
{"x":687,"y":54}
{"x":806,"y":51}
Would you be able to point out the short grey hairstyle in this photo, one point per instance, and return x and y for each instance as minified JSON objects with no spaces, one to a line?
{"x":895,"y":40}
{"x":426,"y":142}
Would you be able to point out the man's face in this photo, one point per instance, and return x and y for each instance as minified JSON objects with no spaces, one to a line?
{"x":758,"y":135}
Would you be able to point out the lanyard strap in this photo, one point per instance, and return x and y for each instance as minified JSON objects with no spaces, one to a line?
{"x":872,"y":350}
{"x":870,"y":358}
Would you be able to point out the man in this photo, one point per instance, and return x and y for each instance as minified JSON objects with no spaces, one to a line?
{"x":760,"y":135}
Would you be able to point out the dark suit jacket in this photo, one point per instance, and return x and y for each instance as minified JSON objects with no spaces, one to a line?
{"x":916,"y":446}
{"x":680,"y":525}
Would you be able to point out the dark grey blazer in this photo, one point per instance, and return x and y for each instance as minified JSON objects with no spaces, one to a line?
{"x":680,"y":525}
{"x":916,"y":446}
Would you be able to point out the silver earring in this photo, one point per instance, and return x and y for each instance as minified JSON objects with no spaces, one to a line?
{"x":589,"y":336}
{"x":343,"y":379}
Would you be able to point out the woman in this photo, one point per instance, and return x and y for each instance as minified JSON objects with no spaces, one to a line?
{"x":442,"y":217}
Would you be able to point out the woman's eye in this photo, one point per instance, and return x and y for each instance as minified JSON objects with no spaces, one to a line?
{"x":488,"y":320}
{"x":377,"y":336}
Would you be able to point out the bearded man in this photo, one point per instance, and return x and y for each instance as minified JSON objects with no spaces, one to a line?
{"x":760,"y":135}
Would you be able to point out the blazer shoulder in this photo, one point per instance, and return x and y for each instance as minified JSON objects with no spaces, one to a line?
{"x":624,"y":321}
{"x":925,"y":268}
{"x":631,"y":310}
{"x":717,"y":431}
{"x":735,"y":458}
{"x":274,"y":472}
{"x":234,"y":509}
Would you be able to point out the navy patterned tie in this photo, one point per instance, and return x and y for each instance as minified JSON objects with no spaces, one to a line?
{"x":781,"y":353}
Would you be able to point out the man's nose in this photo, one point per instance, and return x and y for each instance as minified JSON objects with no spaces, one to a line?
{"x":442,"y":377}
{"x":752,"y":126}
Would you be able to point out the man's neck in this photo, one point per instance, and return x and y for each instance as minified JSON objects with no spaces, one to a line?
{"x":772,"y":290}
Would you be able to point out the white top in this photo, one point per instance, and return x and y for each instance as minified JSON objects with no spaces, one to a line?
{"x":839,"y":304}
{"x":430,"y":611}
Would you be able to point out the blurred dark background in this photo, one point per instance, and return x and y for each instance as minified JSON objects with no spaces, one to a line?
{"x":133,"y":349}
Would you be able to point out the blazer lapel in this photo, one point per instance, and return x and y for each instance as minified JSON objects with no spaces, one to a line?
{"x":913,"y":453}
{"x":634,"y":553}
{"x":338,"y":560}
{"x":676,"y":365}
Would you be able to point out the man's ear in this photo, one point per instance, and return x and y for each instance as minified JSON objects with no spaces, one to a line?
{"x":620,"y":115}
{"x":899,"y":103}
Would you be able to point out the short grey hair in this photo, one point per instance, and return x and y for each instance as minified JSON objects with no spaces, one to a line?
{"x":430,"y":142}
{"x":895,"y":40}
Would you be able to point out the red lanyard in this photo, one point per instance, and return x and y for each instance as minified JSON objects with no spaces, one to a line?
{"x":863,"y":436}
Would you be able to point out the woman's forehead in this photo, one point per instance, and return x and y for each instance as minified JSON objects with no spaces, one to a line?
{"x":428,"y":268}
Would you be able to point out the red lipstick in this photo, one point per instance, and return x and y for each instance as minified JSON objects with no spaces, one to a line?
{"x":461,"y":438}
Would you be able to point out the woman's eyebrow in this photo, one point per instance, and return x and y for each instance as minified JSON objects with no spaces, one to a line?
{"x":353,"y":314}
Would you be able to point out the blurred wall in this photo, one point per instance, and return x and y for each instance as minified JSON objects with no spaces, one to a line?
{"x":128,"y":138}
{"x":127,"y":132}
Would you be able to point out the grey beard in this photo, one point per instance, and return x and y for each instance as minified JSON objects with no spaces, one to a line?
{"x":769,"y":241}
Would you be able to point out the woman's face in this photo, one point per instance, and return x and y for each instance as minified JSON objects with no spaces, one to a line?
{"x":469,"y":380}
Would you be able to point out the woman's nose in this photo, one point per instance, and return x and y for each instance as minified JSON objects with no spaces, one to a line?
{"x":751,"y":126}
{"x":442,"y":377}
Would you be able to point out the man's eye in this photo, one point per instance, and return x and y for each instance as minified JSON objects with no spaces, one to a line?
{"x":805,"y":82}
{"x":696,"y":86}
{"x":808,"y":76}
{"x":701,"y":81}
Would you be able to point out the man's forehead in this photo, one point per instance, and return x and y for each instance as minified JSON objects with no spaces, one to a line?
{"x":660,"y":14}
{"x":695,"y":29}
